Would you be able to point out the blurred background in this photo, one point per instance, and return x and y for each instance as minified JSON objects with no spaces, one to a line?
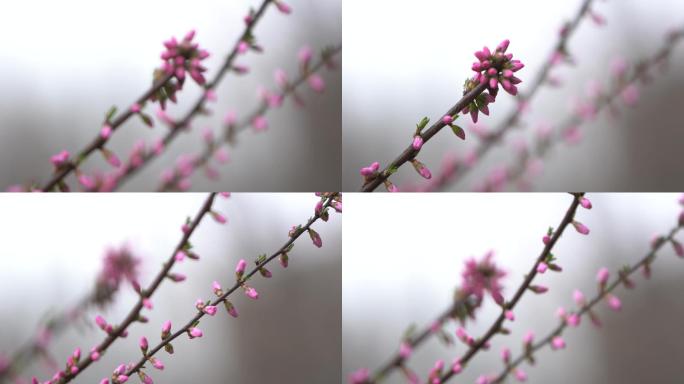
{"x":62,"y":66}
{"x":408,"y":275}
{"x":417,"y":65}
{"x":53,"y":251}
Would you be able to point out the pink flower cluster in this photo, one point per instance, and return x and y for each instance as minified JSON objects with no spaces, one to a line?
{"x":483,"y":276}
{"x":492,"y":68}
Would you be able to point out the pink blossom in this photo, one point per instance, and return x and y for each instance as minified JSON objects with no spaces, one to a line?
{"x":315,"y":238}
{"x":508,"y":314}
{"x":614,"y":303}
{"x":280,"y":77}
{"x":305,"y":54}
{"x":618,"y":67}
{"x":602,"y":276}
{"x":578,"y":297}
{"x":143,"y":344}
{"x":482,"y":276}
{"x":316,"y":83}
{"x":106,"y":131}
{"x":282,"y":7}
{"x":195,"y":332}
{"x":557,"y":343}
{"x":217,"y":288}
{"x":405,"y":350}
{"x":630,"y":95}
{"x":585,"y":203}
{"x":528,"y":338}
{"x":242,"y":47}
{"x":573,"y":320}
{"x":360,"y":376}
{"x":147,"y":303}
{"x":60,"y":159}
{"x":251,"y":293}
{"x":506,"y":355}
{"x":157,"y":364}
{"x":520,"y":375}
{"x":581,"y":228}
{"x":260,"y":124}
{"x":240,"y":268}
{"x":210,"y":310}
{"x":542,"y":267}
{"x":166,"y":327}
{"x":370,"y":170}
{"x":219,"y":218}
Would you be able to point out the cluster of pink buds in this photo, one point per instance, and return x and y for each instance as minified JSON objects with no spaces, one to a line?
{"x":178,"y":59}
{"x":492,"y":68}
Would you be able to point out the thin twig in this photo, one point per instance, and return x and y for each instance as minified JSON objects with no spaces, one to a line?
{"x":409,"y":153}
{"x":587,"y":307}
{"x":496,"y":326}
{"x":210,"y":147}
{"x":134,"y":313}
{"x":140,"y":364}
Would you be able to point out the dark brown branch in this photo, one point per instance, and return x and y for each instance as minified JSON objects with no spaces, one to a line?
{"x":409,"y":153}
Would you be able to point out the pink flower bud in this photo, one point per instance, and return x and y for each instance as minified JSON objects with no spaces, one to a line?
{"x":217,"y":288}
{"x":147,"y":303}
{"x":573,"y":320}
{"x":180,"y":255}
{"x":157,"y":364}
{"x":602,"y":276}
{"x":231,"y":309}
{"x":506,"y":355}
{"x":618,"y":67}
{"x":542,"y":267}
{"x":60,"y":159}
{"x":260,"y":124}
{"x":614,"y":303}
{"x":210,"y":310}
{"x":143,"y":344}
{"x":315,"y":238}
{"x":630,"y":95}
{"x":528,"y":338}
{"x":677,"y":246}
{"x":447,"y":119}
{"x":94,"y":354}
{"x":242,"y":47}
{"x":581,"y":228}
{"x":557,"y":343}
{"x":578,"y":296}
{"x":370,"y":170}
{"x":305,"y":55}
{"x":417,"y":143}
{"x":166,"y":327}
{"x":101,"y":322}
{"x":546,"y":239}
{"x":106,"y":131}
{"x":135,"y":108}
{"x":585,"y":203}
{"x":316,"y":83}
{"x":251,"y":293}
{"x":121,"y":379}
{"x":240,"y":268}
{"x":520,"y":375}
{"x":405,"y":350}
{"x":280,"y":77}
{"x":210,"y":95}
{"x":282,"y":7}
{"x":456,"y":366}
{"x":195,"y":332}
{"x":508,"y":314}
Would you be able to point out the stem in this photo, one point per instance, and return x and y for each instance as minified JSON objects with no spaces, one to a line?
{"x":237,"y":285}
{"x":513,"y":117}
{"x":496,"y":326}
{"x":516,"y":170}
{"x":409,"y":153}
{"x":135,"y":311}
{"x":99,"y":141}
{"x":397,"y":361}
{"x":205,"y":156}
{"x":650,"y":256}
{"x":180,"y":125}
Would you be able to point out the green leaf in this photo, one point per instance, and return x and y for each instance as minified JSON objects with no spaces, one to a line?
{"x":146,"y":119}
{"x":110,"y":113}
{"x":458,"y":131}
{"x":423,"y":123}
